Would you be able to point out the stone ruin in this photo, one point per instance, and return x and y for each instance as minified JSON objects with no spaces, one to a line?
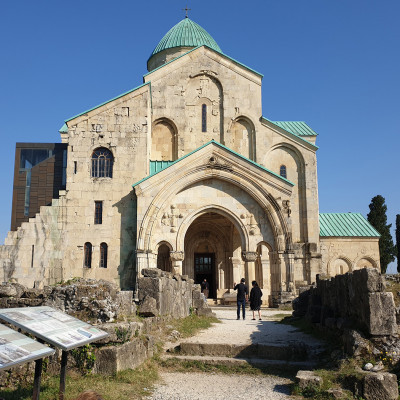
{"x":356,"y":307}
{"x":162,"y":296}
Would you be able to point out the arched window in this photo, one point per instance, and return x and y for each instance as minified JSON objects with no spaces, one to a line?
{"x":204,"y":118}
{"x":102,"y":163}
{"x":103,"y":255}
{"x":88,"y":255}
{"x":282,"y":171}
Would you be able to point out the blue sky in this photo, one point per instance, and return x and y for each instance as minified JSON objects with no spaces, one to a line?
{"x":332,"y":63}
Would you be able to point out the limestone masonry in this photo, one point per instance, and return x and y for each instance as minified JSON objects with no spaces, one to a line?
{"x":184,"y":173}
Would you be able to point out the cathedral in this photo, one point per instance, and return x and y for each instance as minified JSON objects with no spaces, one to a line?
{"x":185,"y":174}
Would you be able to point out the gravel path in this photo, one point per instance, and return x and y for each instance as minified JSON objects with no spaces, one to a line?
{"x":240,"y":332}
{"x":213,"y":386}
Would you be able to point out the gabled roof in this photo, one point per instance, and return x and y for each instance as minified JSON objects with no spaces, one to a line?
{"x":345,"y":225}
{"x":168,"y":164}
{"x":108,"y":101}
{"x":263,"y":119}
{"x":186,"y":33}
{"x":218,"y":52}
{"x":299,"y":128}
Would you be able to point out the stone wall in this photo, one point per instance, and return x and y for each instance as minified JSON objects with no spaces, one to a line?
{"x":89,"y":300}
{"x":165,"y":294}
{"x":353,"y":300}
{"x":341,"y":255}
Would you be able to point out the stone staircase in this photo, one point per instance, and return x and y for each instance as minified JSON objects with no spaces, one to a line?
{"x":259,"y":345}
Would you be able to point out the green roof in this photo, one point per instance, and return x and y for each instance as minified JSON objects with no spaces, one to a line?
{"x":288,"y":131}
{"x":168,"y":163}
{"x":64,"y":128}
{"x":345,"y":224}
{"x":186,"y":34}
{"x":189,"y":51}
{"x":299,"y":128}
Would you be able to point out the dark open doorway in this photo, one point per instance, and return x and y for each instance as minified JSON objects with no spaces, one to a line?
{"x":204,"y":268}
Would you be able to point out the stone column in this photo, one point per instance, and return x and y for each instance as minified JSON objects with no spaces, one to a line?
{"x":235,"y":269}
{"x":290,"y":274}
{"x":141,"y":262}
{"x":266,"y":283}
{"x":250,"y":258}
{"x":177,"y":258}
{"x":221,"y":282}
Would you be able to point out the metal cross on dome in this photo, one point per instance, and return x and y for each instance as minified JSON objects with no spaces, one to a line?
{"x":186,"y":10}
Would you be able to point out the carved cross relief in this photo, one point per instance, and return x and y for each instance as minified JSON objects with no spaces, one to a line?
{"x":171,"y":219}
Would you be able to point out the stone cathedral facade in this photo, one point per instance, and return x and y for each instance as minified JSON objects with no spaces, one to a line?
{"x":184,"y":173}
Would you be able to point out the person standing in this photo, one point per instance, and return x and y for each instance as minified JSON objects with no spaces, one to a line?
{"x":205,"y":288}
{"x":255,"y":299}
{"x":242,"y":297}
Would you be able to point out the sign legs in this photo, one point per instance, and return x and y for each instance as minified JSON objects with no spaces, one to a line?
{"x":37,"y":379}
{"x":63,"y":374}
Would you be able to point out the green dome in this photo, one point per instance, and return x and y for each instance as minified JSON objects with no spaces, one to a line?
{"x":186,"y":34}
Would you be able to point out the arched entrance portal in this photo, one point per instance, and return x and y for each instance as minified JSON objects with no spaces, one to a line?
{"x":211,"y":243}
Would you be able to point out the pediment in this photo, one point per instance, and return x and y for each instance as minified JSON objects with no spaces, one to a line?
{"x":214,"y":160}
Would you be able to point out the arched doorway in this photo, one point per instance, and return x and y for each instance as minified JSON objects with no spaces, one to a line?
{"x":212,"y":246}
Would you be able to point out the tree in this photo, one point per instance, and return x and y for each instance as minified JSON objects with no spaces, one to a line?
{"x":378,"y":219}
{"x":398,"y":241}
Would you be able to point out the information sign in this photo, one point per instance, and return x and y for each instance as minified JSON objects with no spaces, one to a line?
{"x":53,"y":326}
{"x":16,"y":348}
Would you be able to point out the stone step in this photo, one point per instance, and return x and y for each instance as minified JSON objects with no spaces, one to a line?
{"x":296,"y":351}
{"x":234,"y":361}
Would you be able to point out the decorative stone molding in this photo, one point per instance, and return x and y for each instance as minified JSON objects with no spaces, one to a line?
{"x":171,"y":219}
{"x":286,"y":207}
{"x":214,"y":163}
{"x":177,"y":255}
{"x":249,"y":256}
{"x":250,"y":221}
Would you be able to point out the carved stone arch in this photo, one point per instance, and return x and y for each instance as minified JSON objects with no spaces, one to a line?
{"x":264,"y":199}
{"x":291,"y":157}
{"x":165,"y":243}
{"x":370,"y":262}
{"x":335,"y":263}
{"x":92,"y":164}
{"x":197,"y":90}
{"x":163,"y":250}
{"x":243,"y":136}
{"x":189,"y":219}
{"x":164,"y":140}
{"x":287,"y":146}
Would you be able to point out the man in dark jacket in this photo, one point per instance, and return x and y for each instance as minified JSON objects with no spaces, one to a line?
{"x":242,"y":297}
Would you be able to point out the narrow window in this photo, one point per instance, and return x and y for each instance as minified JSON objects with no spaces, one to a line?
{"x":282,"y":171}
{"x":204,"y":118}
{"x":33,"y":252}
{"x":75,"y":167}
{"x":102,"y":163}
{"x":98,"y":212}
{"x":88,"y":255}
{"x":103,"y":255}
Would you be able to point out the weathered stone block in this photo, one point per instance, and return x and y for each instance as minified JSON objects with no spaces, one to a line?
{"x":148,"y":307}
{"x":7,"y":290}
{"x":110,"y":360}
{"x":382,"y":314}
{"x":380,"y":386}
{"x":307,"y":379}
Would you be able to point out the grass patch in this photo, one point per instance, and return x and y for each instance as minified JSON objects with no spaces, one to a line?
{"x":278,"y":317}
{"x":125,"y":385}
{"x":190,"y":325}
{"x":178,"y":365}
